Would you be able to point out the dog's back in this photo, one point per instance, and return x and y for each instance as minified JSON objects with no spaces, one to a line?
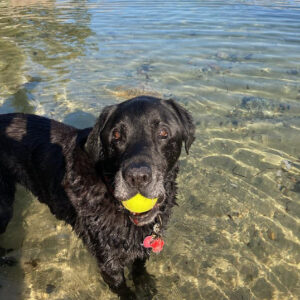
{"x":31,"y":153}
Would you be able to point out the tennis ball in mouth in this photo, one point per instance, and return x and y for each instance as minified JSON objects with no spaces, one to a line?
{"x":139,"y":203}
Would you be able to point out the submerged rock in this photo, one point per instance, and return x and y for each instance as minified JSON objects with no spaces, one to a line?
{"x":227,"y":56}
{"x":255,"y":103}
{"x":127,"y":92}
{"x":50,"y":288}
{"x":286,"y":165}
{"x":258,"y":104}
{"x":292,"y":72}
{"x":145,"y":69}
{"x":258,"y":107}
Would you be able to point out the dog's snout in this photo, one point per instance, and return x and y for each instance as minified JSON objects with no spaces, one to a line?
{"x":138,"y":175}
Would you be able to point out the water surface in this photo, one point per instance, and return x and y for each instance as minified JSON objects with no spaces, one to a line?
{"x":235,"y":65}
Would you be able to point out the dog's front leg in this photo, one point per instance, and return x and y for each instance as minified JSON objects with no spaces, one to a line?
{"x":114,"y":277}
{"x":145,"y":284}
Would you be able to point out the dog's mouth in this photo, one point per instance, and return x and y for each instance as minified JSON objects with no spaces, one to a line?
{"x":141,"y":219}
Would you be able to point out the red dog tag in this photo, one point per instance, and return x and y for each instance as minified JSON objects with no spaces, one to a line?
{"x":155,"y":243}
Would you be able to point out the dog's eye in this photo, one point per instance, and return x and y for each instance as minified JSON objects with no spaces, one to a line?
{"x":163,"y":133}
{"x":116,"y":134}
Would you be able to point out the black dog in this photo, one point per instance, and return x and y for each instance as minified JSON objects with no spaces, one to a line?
{"x":83,"y":175}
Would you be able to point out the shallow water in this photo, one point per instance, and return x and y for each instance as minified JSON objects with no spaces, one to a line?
{"x":236,"y":66}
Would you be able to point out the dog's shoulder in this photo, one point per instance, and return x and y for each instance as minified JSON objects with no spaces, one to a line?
{"x":31,"y":129}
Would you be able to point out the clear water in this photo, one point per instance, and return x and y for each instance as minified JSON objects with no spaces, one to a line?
{"x":236,"y":66}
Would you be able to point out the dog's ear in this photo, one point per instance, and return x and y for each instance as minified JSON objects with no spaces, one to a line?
{"x":186,"y":123}
{"x":93,"y":145}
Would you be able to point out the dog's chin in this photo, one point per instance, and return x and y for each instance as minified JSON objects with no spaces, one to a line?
{"x":141,"y":219}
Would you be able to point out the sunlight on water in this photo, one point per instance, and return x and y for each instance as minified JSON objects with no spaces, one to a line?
{"x":233,"y":64}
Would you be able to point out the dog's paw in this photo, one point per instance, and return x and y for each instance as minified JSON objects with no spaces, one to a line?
{"x":129,"y":295}
{"x":145,"y":285}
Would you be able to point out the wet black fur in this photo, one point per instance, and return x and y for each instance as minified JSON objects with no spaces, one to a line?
{"x":72,"y":171}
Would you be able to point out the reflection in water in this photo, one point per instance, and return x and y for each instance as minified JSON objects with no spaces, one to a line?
{"x":29,"y":3}
{"x":23,"y":99}
{"x":235,"y":66}
{"x":35,"y":34}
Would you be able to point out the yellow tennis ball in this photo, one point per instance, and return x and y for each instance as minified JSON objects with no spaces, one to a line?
{"x":139,"y":203}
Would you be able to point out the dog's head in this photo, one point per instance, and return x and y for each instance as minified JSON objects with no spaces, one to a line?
{"x":137,"y":143}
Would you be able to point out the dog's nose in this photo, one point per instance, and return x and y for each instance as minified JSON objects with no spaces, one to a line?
{"x":138,"y":175}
